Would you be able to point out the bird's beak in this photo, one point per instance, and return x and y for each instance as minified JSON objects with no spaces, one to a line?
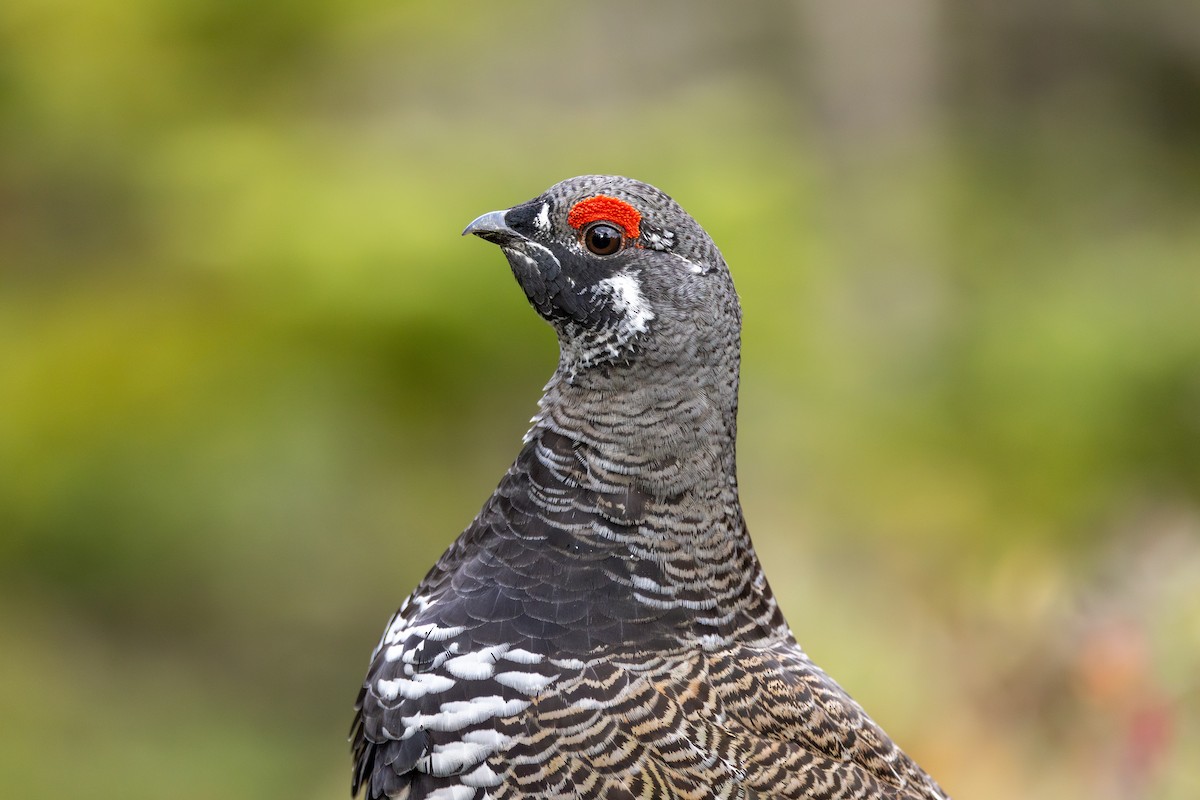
{"x":493,"y":227}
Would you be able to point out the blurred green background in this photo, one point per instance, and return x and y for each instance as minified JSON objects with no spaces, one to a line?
{"x":252,"y":382}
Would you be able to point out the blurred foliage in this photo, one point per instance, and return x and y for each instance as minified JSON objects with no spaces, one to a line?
{"x":252,"y":383}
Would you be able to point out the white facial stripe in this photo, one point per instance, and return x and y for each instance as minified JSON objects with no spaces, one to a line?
{"x":542,"y":220}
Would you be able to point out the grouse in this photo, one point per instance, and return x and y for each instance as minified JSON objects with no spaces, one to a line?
{"x":603,"y":628}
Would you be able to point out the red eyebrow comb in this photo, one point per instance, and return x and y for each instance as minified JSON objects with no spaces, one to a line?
{"x":609,"y":209}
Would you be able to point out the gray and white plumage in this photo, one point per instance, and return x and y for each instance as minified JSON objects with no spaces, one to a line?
{"x":603,"y":628}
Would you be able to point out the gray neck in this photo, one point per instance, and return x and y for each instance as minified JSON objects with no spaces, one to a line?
{"x":655,"y":461}
{"x":652,"y":449}
{"x":651,"y":426}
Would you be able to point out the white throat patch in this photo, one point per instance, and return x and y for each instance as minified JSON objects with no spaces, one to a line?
{"x":628,"y":300}
{"x":542,"y":220}
{"x":582,"y":347}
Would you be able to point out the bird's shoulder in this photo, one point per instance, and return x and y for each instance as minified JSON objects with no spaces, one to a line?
{"x":509,"y":609}
{"x":735,"y":720}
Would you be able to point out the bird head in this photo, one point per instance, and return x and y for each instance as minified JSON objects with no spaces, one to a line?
{"x":626,"y":277}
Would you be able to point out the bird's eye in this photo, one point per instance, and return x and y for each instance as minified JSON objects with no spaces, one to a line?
{"x":602,"y":238}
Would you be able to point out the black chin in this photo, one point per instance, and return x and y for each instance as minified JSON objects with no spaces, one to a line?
{"x":551,"y":292}
{"x":558,"y":286}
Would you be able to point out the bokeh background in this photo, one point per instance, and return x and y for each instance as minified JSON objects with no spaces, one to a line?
{"x":252,"y":382}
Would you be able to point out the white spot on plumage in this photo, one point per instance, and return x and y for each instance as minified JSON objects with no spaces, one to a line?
{"x":492,"y":738}
{"x":695,"y":605}
{"x":452,"y":758}
{"x":628,"y":300}
{"x":659,"y":241}
{"x":398,"y":628}
{"x":400,"y":646}
{"x":523,"y":656}
{"x":651,"y":585}
{"x":542,"y":220}
{"x":434,"y":632}
{"x":567,"y":663}
{"x":476,"y":665}
{"x":399,"y":623}
{"x":457,"y":792}
{"x":590,"y":704}
{"x":458,"y":714}
{"x":482,"y":776}
{"x":527,"y":682}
